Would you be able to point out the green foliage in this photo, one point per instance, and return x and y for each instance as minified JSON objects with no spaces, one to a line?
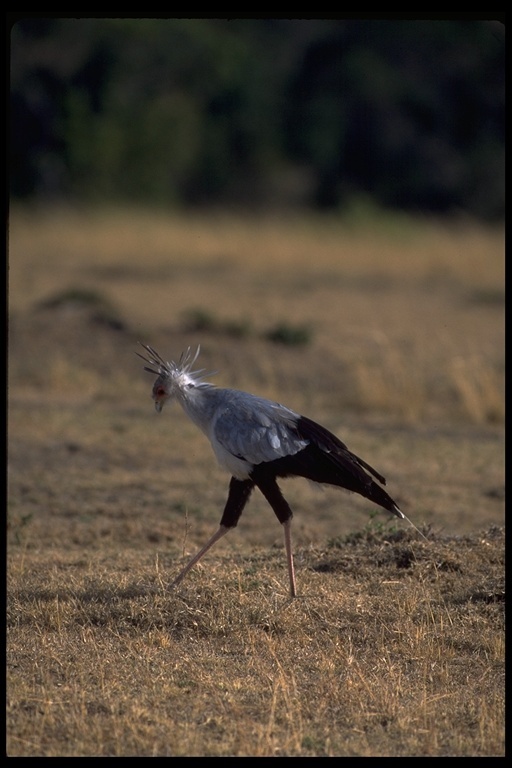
{"x":379,"y":526}
{"x":187,"y":111}
{"x":203,"y":321}
{"x":75,"y":296}
{"x":99,"y":308}
{"x":488,"y":297}
{"x":199,"y":320}
{"x":290,"y":335}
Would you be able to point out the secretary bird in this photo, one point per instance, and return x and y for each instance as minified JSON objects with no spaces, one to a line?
{"x":256,"y":441}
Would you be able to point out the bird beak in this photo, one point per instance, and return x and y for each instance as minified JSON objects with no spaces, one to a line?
{"x":158,"y":406}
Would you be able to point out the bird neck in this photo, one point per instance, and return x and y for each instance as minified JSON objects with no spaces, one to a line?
{"x":199,"y":403}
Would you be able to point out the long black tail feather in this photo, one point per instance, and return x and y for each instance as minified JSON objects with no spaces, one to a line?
{"x":327,"y":460}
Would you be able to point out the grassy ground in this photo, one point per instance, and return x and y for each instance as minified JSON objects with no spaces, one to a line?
{"x":390,"y":335}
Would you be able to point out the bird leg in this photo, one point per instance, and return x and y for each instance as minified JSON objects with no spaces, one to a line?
{"x":271,"y":491}
{"x":239,"y":492}
{"x":216,"y":536}
{"x":289,"y":555}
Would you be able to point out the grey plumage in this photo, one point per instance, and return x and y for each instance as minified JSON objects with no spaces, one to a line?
{"x":253,"y":428}
{"x":257,"y":440}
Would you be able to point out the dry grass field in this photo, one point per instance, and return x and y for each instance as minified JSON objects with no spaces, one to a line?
{"x":391,"y":334}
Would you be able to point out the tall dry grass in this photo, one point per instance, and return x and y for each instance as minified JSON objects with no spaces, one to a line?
{"x":406,"y":317}
{"x":395,"y":646}
{"x":370,"y":660}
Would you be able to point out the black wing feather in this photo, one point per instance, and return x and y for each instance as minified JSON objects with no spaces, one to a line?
{"x":310,"y":430}
{"x":326,"y":459}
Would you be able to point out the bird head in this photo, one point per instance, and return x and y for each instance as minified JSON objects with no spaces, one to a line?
{"x":174,"y":379}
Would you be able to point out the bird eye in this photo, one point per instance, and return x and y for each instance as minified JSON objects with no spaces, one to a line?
{"x":159,"y":392}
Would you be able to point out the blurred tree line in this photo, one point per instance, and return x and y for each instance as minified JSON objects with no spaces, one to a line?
{"x":407,"y":114}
